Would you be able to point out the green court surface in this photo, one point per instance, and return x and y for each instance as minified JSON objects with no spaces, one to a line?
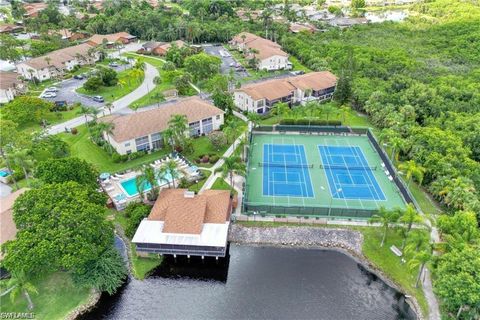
{"x":344,"y":172}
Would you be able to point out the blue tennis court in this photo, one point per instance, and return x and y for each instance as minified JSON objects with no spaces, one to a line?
{"x":285,"y":171}
{"x":348,"y":173}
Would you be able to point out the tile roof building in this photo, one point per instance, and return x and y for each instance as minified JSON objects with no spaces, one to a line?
{"x":260,"y":97}
{"x":68,"y":35}
{"x":32,"y":9}
{"x":8,"y":229}
{"x":10,"y":28}
{"x":10,"y":86}
{"x":299,"y":27}
{"x":182,"y":223}
{"x":161,"y":48}
{"x":142,"y":131}
{"x":111,"y":39}
{"x":56,"y":63}
{"x":269,"y":54}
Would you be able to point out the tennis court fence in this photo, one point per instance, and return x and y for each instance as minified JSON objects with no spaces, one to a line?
{"x":317,"y":211}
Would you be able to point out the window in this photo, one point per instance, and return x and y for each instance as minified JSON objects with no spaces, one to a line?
{"x":157,"y":141}
{"x":127,"y":144}
{"x":217,"y":117}
{"x":207,"y":125}
{"x":142,"y":144}
{"x":129,"y":151}
{"x":194,"y":128}
{"x":260,"y":103}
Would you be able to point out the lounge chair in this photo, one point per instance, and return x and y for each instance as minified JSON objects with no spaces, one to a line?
{"x":390,"y":178}
{"x":386,"y":172}
{"x":109,"y":188}
{"x":153,"y":165}
{"x":115,"y":178}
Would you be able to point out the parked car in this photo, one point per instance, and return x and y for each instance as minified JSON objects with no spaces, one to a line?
{"x":297,"y":73}
{"x":51,"y":89}
{"x":239,"y":68}
{"x":113,"y":64}
{"x":78,"y":77}
{"x":48,"y":95}
{"x":98,"y":99}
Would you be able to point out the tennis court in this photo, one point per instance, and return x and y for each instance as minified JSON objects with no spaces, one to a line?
{"x":301,"y":174}
{"x":348,"y":174}
{"x":285,"y":171}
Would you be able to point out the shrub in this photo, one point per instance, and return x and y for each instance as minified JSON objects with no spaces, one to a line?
{"x":116,"y":157}
{"x":135,"y":212}
{"x":205,"y":158}
{"x":217,"y":139}
{"x":93,"y":84}
{"x":74,"y":131}
{"x":214,"y":159}
{"x":184,"y":183}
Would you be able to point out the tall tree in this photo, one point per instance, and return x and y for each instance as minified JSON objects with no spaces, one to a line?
{"x":21,"y":285}
{"x":412,"y":169}
{"x":233,"y":165}
{"x":386,"y":218}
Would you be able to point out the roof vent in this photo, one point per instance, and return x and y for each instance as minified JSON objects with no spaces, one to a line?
{"x":189,"y":194}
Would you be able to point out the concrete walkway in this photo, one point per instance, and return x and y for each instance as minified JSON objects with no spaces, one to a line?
{"x":150,"y":73}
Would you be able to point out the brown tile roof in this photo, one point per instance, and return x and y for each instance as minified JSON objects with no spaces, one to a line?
{"x":166,"y":46}
{"x":8,"y":27}
{"x":59,"y":57}
{"x":187,"y":215}
{"x":8,"y":230}
{"x":298,"y":27}
{"x":114,"y":37}
{"x":9,"y":80}
{"x":265,"y":48}
{"x":139,"y":124}
{"x":278,"y":88}
{"x":32,"y":9}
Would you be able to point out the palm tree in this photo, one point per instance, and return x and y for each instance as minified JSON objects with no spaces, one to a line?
{"x":162,"y":174}
{"x":94,"y":113}
{"x":178,"y":125}
{"x":172,"y":169}
{"x":420,"y":259}
{"x":107,"y":128}
{"x":23,"y":160}
{"x":21,"y":285}
{"x":109,"y":106}
{"x":409,"y":217}
{"x":231,"y":131}
{"x":85,"y":111}
{"x":254,"y":118}
{"x":385,"y":218}
{"x":148,"y":176}
{"x":416,"y":241}
{"x":328,"y":109}
{"x":136,"y":74}
{"x":233,"y":165}
{"x":412,"y":169}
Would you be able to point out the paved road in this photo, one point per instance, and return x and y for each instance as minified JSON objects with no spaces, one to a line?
{"x":150,"y":73}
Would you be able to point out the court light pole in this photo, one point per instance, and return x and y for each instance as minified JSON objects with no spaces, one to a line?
{"x":331,"y":200}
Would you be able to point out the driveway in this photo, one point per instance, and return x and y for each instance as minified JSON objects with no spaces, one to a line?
{"x":227,"y":59}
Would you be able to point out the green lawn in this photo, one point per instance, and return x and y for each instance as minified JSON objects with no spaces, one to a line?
{"x":82,"y":147}
{"x":113,"y":93}
{"x":197,"y":186}
{"x":220,"y":184}
{"x":51,"y":118}
{"x":57,"y":296}
{"x":202,"y":146}
{"x":154,"y":61}
{"x":143,"y":265}
{"x":154,"y":96}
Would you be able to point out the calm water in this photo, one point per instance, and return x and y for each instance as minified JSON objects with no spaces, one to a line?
{"x":257,"y":283}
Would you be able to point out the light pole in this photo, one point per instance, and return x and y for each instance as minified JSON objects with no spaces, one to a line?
{"x":331,"y":200}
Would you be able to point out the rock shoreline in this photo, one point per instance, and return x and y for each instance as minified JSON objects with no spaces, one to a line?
{"x":347,"y":241}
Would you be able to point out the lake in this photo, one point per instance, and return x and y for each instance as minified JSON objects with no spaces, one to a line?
{"x":257,"y":283}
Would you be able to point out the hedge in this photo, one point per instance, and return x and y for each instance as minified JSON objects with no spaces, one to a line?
{"x":314,"y":122}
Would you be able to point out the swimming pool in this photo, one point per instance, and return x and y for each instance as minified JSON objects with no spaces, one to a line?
{"x":130,"y":185}
{"x":4,"y":173}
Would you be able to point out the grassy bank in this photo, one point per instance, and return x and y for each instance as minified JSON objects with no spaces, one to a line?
{"x":57,"y":296}
{"x":82,"y":147}
{"x":221,"y":184}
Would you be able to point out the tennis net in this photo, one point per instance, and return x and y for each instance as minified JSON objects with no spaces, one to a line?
{"x":327,"y":166}
{"x":284,"y":165}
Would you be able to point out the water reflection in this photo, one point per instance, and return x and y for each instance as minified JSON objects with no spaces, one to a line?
{"x":257,"y":283}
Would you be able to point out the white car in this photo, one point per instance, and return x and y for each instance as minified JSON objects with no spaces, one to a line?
{"x":48,"y":95}
{"x":51,"y":89}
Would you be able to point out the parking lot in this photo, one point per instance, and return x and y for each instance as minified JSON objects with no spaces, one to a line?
{"x":227,"y":60}
{"x":66,"y":91}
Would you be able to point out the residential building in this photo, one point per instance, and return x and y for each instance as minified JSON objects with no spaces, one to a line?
{"x":8,"y":229}
{"x":299,"y":27}
{"x":246,"y":15}
{"x":69,"y":35}
{"x":10,"y":86}
{"x":56,"y":63}
{"x":161,"y":48}
{"x":111,"y":39}
{"x":260,"y":97}
{"x":10,"y":28}
{"x":182,"y":223}
{"x":268,"y":54}
{"x":32,"y":9}
{"x":142,"y":131}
